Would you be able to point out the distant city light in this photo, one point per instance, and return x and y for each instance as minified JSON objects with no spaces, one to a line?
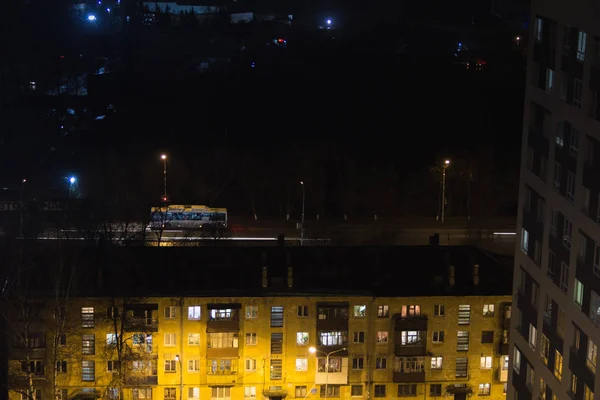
{"x":72,"y":180}
{"x":108,"y":10}
{"x":328,"y":22}
{"x":91,"y":17}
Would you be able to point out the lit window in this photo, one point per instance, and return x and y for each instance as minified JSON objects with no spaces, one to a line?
{"x":488,"y":310}
{"x":486,"y":362}
{"x":360,"y":311}
{"x":301,"y":364}
{"x":524,"y":240}
{"x":251,"y":312}
{"x":193,"y":339}
{"x":250,"y":392}
{"x":194,"y":313}
{"x":581,"y":44}
{"x":578,"y":293}
{"x":382,"y":337}
{"x":516,"y":360}
{"x":193,"y":393}
{"x":87,"y":317}
{"x":436,"y":362}
{"x":484,"y":389}
{"x":383,"y":311}
{"x":558,"y":365}
{"x":301,"y":338}
{"x":532,"y":336}
{"x":592,"y":354}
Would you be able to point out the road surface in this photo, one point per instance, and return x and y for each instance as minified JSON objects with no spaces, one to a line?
{"x":496,"y":235}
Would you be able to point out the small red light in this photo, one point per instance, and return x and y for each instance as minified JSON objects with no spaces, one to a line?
{"x":62,"y":56}
{"x":280,"y":40}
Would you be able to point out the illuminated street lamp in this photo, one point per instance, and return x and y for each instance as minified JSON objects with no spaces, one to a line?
{"x":164,"y":158}
{"x":446,"y":165}
{"x":313,"y":350}
{"x":72,"y":182}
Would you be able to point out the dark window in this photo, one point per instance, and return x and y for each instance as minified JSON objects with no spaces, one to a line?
{"x":487,"y":337}
{"x":407,"y":390}
{"x":356,"y":390}
{"x":276,"y":343}
{"x":276,"y":370}
{"x":435,"y":389}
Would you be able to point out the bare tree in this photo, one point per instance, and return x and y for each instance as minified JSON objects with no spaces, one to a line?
{"x":63,"y":326}
{"x":129,"y":350}
{"x":23,"y":322}
{"x":35,"y":294}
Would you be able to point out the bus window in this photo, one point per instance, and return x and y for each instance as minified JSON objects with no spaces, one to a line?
{"x":157,"y":216}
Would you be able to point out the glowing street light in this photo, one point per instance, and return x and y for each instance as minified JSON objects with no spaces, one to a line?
{"x":164,"y":158}
{"x":328,"y":22}
{"x":72,"y":183}
{"x":91,"y":18}
{"x":446,"y":165}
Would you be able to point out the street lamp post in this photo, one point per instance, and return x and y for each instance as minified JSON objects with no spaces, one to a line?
{"x":303,"y":201}
{"x":180,"y":377}
{"x":164,"y":158}
{"x":72,"y":182}
{"x":313,"y":350}
{"x":446,"y":164}
{"x":23,"y":181}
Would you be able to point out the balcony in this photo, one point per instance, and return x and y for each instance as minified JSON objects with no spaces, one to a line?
{"x":409,"y":377}
{"x":223,"y":318}
{"x":333,"y":378}
{"x":414,"y":323}
{"x":134,"y":380}
{"x":503,"y":348}
{"x":417,"y":349}
{"x":222,"y":352}
{"x":332,"y":316}
{"x":221,"y":371}
{"x":140,"y":324}
{"x":503,"y":374}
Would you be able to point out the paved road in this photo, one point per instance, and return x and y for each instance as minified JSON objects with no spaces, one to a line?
{"x":497,"y":236}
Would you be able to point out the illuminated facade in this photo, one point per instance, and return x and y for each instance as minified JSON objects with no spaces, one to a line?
{"x":246,"y":348}
{"x":248,"y":325}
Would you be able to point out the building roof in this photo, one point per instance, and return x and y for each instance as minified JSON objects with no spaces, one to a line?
{"x":373,"y":271}
{"x":321,"y":271}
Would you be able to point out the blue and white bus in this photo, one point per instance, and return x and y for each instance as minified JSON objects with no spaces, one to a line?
{"x":187,"y":217}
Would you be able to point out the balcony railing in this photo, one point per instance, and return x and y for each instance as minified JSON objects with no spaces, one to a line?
{"x":407,"y":376}
{"x":410,"y":323}
{"x":141,"y":325}
{"x":141,"y":380}
{"x":414,"y":349}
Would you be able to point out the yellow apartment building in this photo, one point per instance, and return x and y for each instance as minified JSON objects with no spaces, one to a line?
{"x":283,"y":342}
